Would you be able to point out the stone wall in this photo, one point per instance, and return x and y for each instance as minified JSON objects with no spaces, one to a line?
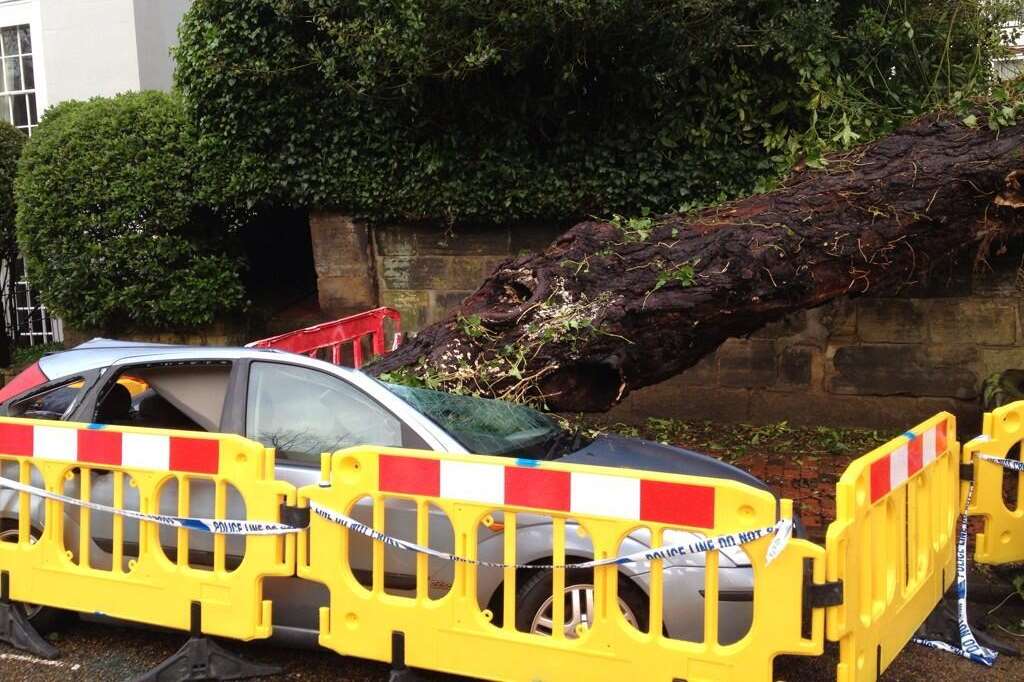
{"x":875,"y":362}
{"x":343,"y":258}
{"x":214,"y":335}
{"x":424,"y":270}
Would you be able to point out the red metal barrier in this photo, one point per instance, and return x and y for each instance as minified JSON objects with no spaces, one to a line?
{"x":334,"y":335}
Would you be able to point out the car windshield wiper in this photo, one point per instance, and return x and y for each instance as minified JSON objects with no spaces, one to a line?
{"x":562,"y":442}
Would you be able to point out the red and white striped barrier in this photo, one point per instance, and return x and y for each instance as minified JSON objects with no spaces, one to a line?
{"x":898,"y":466}
{"x":548,"y":489}
{"x":98,"y":445}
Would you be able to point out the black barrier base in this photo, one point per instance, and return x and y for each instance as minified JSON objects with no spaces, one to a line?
{"x":16,"y":630}
{"x":203,"y":659}
{"x":404,"y":675}
{"x":400,"y":672}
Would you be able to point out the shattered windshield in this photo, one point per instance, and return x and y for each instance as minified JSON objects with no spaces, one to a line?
{"x":488,"y":427}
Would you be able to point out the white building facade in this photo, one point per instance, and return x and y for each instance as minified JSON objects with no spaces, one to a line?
{"x":57,"y":50}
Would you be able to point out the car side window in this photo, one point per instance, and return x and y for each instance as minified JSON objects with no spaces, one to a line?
{"x":170,"y":395}
{"x":53,"y":403}
{"x":303,"y":413}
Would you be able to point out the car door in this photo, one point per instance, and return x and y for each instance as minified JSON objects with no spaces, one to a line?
{"x":303,"y":412}
{"x":184,"y":394}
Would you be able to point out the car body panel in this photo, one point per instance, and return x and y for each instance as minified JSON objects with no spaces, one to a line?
{"x":634,"y":453}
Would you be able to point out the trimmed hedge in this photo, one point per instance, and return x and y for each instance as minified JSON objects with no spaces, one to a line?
{"x":512,"y":109}
{"x":110,"y":222}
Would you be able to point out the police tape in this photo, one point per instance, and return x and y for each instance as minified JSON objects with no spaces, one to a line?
{"x":218,"y":526}
{"x":1002,"y":461}
{"x":781,"y":533}
{"x":969,"y":647}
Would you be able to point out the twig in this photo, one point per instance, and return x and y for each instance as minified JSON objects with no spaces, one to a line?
{"x":1012,"y":634}
{"x":1000,"y":604}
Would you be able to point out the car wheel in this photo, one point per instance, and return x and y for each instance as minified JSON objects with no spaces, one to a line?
{"x":535,"y":605}
{"x":44,"y":619}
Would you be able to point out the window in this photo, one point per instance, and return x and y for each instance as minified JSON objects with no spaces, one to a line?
{"x":188,"y":396}
{"x":17,"y":78}
{"x":303,"y":413}
{"x":491,"y":427}
{"x":53,"y":403}
{"x":32,"y":323}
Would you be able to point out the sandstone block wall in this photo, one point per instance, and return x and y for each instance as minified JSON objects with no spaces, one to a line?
{"x":425,"y":270}
{"x":875,"y":362}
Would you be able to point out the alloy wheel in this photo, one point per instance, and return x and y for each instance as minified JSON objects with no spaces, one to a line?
{"x":579,"y":610}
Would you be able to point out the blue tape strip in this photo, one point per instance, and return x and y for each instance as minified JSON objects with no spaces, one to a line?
{"x":780,"y":532}
{"x":193,"y":524}
{"x":969,"y":647}
{"x":221,"y":526}
{"x":1014,"y":464}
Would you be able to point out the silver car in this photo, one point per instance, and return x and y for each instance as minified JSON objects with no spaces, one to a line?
{"x":302,"y":407}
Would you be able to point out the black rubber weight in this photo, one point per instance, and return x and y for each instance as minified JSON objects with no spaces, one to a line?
{"x":47,"y":619}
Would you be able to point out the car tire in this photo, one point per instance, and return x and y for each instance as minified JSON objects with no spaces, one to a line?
{"x":533,"y":601}
{"x":44,"y":619}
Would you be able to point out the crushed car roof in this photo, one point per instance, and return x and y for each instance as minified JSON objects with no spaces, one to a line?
{"x":97,"y":353}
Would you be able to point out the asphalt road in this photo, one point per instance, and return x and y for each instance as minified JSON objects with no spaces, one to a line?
{"x":103,"y":653}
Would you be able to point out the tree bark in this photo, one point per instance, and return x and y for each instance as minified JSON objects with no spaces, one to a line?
{"x":607,"y":309}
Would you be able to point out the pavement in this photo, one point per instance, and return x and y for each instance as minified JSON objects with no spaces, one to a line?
{"x":106,"y":653}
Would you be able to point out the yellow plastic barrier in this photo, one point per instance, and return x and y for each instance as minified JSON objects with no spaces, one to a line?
{"x":158,"y":586}
{"x":892,"y":544}
{"x":891,"y":549}
{"x":1002,"y":539}
{"x":454,"y":633}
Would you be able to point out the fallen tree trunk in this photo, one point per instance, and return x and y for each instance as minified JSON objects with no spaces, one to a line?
{"x":611,"y":307}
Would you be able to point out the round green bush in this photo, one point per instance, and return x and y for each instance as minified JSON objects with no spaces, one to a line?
{"x":516,"y":109}
{"x":110,"y":222}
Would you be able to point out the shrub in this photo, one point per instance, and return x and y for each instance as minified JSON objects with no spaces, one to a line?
{"x":512,"y":109}
{"x":110,"y":222}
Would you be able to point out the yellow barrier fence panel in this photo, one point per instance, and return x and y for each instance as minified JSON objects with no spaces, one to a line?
{"x":892,"y":544}
{"x":998,"y":492}
{"x":71,"y":557}
{"x":492,"y":504}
